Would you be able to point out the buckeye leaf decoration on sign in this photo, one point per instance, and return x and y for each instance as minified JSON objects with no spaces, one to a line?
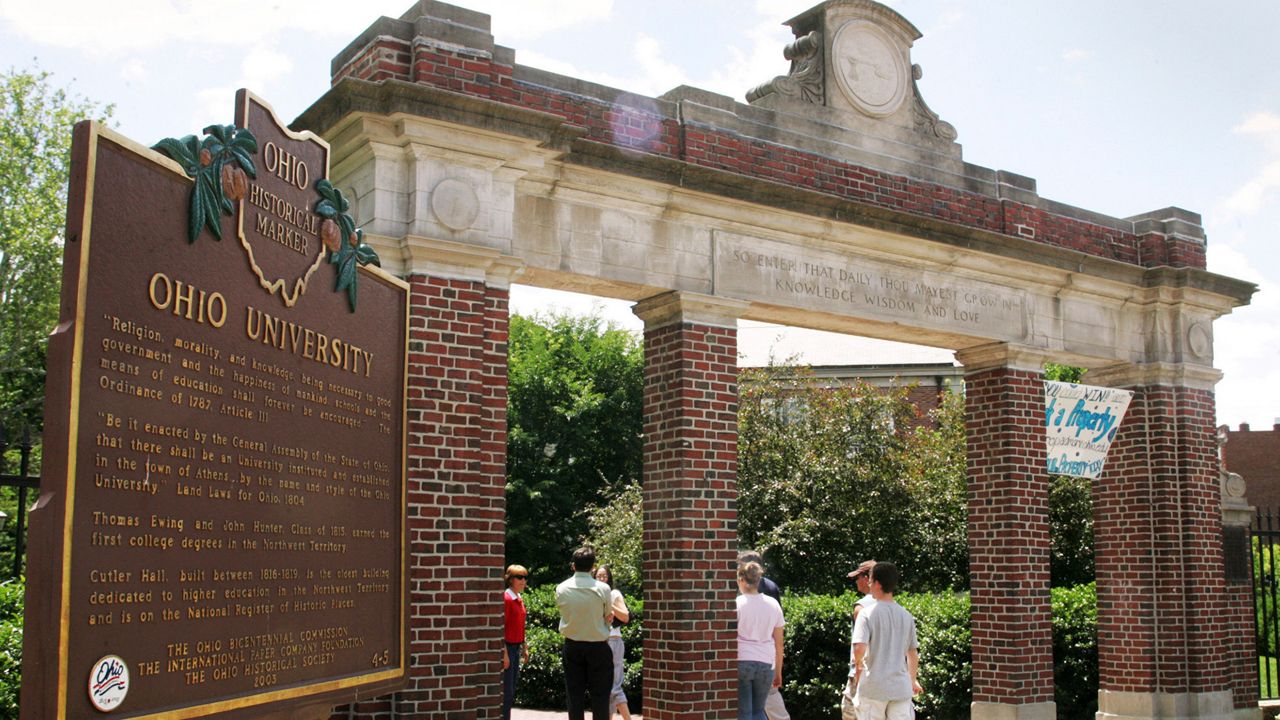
{"x":220,"y":165}
{"x":284,"y":230}
{"x":343,"y":240}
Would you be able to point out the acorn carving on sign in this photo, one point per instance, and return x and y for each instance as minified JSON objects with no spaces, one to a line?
{"x":289,"y":217}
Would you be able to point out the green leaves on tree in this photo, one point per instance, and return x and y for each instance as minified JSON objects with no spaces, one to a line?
{"x":574,"y":444}
{"x":219,"y":165}
{"x":36,"y":118}
{"x":342,"y":239}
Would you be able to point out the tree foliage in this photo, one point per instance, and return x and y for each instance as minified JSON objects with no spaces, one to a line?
{"x":1063,"y":373}
{"x":936,"y":479}
{"x":830,"y":476}
{"x":35,"y":146}
{"x":616,"y":532}
{"x":574,"y":432}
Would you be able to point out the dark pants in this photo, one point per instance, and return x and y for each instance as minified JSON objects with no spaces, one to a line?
{"x":588,"y":668}
{"x":510,"y":677}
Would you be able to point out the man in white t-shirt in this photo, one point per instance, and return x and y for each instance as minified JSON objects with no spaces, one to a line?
{"x":886,"y":659}
{"x":861,"y":576}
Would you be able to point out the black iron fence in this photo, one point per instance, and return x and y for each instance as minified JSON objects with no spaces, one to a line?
{"x":25,"y":485}
{"x":1265,"y":554}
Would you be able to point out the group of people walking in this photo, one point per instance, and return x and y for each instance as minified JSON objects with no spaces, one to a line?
{"x":883,"y":656}
{"x":592,"y":613}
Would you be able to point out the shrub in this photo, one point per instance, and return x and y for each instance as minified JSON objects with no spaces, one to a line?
{"x":1075,"y":651}
{"x":817,"y":653}
{"x":946,"y":666}
{"x":11,"y":603}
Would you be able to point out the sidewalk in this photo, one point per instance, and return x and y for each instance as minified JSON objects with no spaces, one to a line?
{"x":522,"y":714}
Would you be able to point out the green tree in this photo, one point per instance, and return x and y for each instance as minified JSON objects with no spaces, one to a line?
{"x":35,"y":144}
{"x":1063,"y":373}
{"x":936,"y":472}
{"x":574,"y":432}
{"x":823,"y":476}
{"x":616,"y":532}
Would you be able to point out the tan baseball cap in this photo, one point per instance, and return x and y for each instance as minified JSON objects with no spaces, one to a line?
{"x":863,"y":569}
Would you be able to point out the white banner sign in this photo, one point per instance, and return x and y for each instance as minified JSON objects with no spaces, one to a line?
{"x":1080,"y":421}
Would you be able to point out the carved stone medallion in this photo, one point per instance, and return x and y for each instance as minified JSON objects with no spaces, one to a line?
{"x":455,"y":204}
{"x":1198,"y":340}
{"x":870,"y":68}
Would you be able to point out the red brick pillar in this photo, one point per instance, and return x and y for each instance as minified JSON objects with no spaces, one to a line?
{"x":690,"y":505}
{"x":1174,"y":634}
{"x":1008,"y":534}
{"x":456,"y":481}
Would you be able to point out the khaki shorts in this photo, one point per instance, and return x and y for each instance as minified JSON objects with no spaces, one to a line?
{"x":867,"y":709}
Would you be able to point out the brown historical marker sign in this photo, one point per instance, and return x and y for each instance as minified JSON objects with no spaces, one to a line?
{"x":221,"y":526}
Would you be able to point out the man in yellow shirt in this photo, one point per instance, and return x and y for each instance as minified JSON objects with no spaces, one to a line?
{"x":585,"y":611}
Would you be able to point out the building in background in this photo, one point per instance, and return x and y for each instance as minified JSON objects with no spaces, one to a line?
{"x":1254,"y":455}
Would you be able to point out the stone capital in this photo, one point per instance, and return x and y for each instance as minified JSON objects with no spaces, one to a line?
{"x":1004,"y":355}
{"x":459,"y":261}
{"x":1197,"y":377}
{"x":674,"y":307}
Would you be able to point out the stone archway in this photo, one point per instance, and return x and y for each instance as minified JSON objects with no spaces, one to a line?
{"x":835,"y":200}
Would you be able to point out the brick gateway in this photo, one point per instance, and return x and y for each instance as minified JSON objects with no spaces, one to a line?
{"x":835,"y":200}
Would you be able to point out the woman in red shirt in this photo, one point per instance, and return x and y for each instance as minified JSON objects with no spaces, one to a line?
{"x":514,"y":650}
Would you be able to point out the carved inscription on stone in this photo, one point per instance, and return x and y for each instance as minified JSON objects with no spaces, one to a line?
{"x":757,"y":269}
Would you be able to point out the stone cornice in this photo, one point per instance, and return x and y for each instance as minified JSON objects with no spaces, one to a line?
{"x":1004,"y":355}
{"x":446,"y":259}
{"x":1197,"y":377}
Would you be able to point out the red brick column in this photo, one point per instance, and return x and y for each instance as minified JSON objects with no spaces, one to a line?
{"x":1174,"y":636}
{"x":1008,"y":534}
{"x":690,"y":505}
{"x":457,"y":424}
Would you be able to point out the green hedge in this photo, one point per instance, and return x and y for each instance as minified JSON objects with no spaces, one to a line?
{"x":1075,"y":651}
{"x":817,"y":653}
{"x":11,"y":600}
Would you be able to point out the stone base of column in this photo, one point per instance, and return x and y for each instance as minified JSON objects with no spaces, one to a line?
{"x":1253,"y":713}
{"x":1003,"y":711}
{"x":1167,"y":706}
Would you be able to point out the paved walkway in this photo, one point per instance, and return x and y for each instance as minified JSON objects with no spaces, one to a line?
{"x":521,"y":714}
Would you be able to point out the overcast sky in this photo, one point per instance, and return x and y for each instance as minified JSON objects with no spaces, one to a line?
{"x":1117,"y":107}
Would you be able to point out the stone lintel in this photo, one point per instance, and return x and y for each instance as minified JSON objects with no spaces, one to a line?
{"x":458,"y":261}
{"x":1004,"y":355}
{"x":1003,"y":711}
{"x":674,"y":307}
{"x":1197,"y":377}
{"x":1166,"y":706}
